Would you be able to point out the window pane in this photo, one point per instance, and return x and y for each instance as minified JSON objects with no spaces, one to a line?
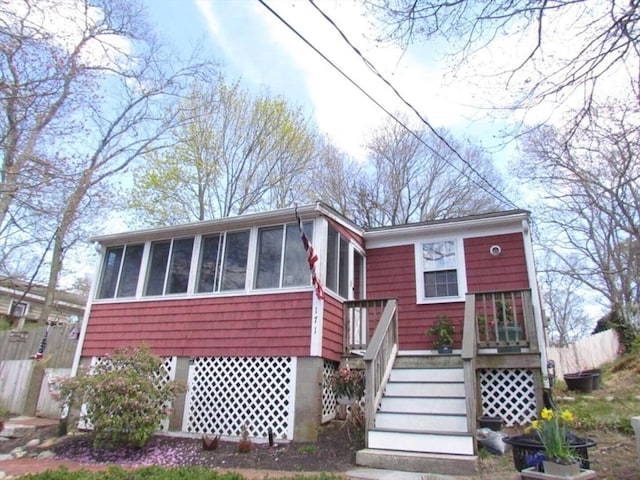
{"x":234,"y":268}
{"x":343,"y":285}
{"x":332,"y":260}
{"x":208,"y":263}
{"x":269,"y":255}
{"x":439,"y":255}
{"x":157,"y":267}
{"x":296,"y":267}
{"x":110,"y":269}
{"x":180,"y":265}
{"x":441,"y":284}
{"x":130,"y":271}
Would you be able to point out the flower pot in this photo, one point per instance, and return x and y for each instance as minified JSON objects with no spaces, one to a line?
{"x":596,"y":374}
{"x":509,"y":333}
{"x":579,"y":382}
{"x":561,"y":470}
{"x":528,"y":444}
{"x":493,"y":423}
{"x":343,"y":400}
{"x":445,"y":349}
{"x":532,"y":474}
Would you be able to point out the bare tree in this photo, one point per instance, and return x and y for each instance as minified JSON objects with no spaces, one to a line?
{"x":414,"y":178}
{"x":589,"y":180}
{"x":85,"y":90}
{"x":603,"y":42}
{"x":567,"y":319}
{"x":237,"y":153}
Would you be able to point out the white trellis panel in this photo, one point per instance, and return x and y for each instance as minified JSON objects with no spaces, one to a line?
{"x":509,"y":394}
{"x":329,"y":403}
{"x":225,"y":393}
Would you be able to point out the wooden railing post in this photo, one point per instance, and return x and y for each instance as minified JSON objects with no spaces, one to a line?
{"x":469,"y":352}
{"x":378,"y":361}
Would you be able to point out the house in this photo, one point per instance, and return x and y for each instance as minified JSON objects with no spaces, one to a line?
{"x":229,"y":305}
{"x":22,"y":302}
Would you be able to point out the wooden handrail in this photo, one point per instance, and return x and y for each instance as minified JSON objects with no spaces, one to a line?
{"x":469,"y":352}
{"x":378,"y":360}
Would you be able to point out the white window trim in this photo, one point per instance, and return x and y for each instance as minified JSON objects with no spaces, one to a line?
{"x":15,"y":314}
{"x":460,"y":271}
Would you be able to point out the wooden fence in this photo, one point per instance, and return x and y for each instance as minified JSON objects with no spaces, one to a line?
{"x":586,"y":354}
{"x":26,"y":383}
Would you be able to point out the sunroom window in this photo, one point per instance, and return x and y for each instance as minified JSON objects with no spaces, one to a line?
{"x":169,"y":266}
{"x":337,"y":263}
{"x":281,"y":258}
{"x":440,"y":269}
{"x":121,"y":271}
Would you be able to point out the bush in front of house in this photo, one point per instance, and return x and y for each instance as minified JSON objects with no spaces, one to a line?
{"x":123,"y":397}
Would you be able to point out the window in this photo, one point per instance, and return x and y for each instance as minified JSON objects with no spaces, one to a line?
{"x":18,"y":309}
{"x":169,"y":266}
{"x":440,"y":269}
{"x":120,"y":271}
{"x":337,"y":263}
{"x":209,"y":262}
{"x":280,"y":258}
{"x":234,"y":266}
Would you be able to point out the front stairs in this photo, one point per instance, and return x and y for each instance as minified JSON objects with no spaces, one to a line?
{"x":421,"y":422}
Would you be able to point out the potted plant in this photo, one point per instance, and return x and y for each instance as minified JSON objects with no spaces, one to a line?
{"x":558,"y":457}
{"x":442,"y":330}
{"x":348,"y":384}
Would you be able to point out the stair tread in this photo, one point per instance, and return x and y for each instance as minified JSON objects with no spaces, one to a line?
{"x":422,"y":432}
{"x":446,"y":414}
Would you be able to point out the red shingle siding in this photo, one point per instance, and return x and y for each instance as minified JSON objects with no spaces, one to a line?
{"x":332,"y":333}
{"x":391,"y":274}
{"x":486,"y":273}
{"x":258,"y":325}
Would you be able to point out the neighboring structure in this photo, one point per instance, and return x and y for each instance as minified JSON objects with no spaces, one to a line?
{"x":229,"y":304}
{"x":22,"y":302}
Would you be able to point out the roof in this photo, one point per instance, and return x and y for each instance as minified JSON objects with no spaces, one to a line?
{"x":283,"y":215}
{"x":39,"y":291}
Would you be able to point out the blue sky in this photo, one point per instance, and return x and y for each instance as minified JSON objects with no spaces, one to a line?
{"x":254,"y":45}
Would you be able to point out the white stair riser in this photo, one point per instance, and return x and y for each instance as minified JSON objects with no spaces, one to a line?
{"x":427,"y":375}
{"x":421,"y":442}
{"x":425,"y":389}
{"x":424,"y":422}
{"x":433,"y":405}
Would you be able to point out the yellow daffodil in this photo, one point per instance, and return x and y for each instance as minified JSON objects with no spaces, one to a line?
{"x":536,"y":424}
{"x":546,"y":414}
{"x":567,"y":416}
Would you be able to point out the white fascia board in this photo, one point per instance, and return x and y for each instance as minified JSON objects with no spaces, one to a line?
{"x":284,"y":215}
{"x":459,"y":228}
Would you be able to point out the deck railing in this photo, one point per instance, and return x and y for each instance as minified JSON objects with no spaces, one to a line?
{"x":503,"y":319}
{"x":361,"y":318}
{"x":378,"y":360}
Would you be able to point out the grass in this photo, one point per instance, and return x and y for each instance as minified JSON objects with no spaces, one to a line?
{"x":612,"y":406}
{"x":157,"y":473}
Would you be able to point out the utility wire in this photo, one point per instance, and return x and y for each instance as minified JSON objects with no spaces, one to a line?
{"x":494,"y":192}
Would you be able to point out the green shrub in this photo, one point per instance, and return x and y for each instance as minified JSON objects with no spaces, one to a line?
{"x":124,"y":400}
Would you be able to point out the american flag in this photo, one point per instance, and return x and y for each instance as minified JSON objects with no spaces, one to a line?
{"x":312,"y":259}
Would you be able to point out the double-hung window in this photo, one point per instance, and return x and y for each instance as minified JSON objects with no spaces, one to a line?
{"x":18,"y":309}
{"x":439,"y":269}
{"x":121,"y":271}
{"x":281,"y":260}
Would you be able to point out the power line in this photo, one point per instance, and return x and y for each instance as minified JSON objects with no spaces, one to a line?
{"x":494,"y":192}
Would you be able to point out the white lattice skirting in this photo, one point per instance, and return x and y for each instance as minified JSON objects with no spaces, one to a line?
{"x":225,"y":393}
{"x":509,"y":394}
